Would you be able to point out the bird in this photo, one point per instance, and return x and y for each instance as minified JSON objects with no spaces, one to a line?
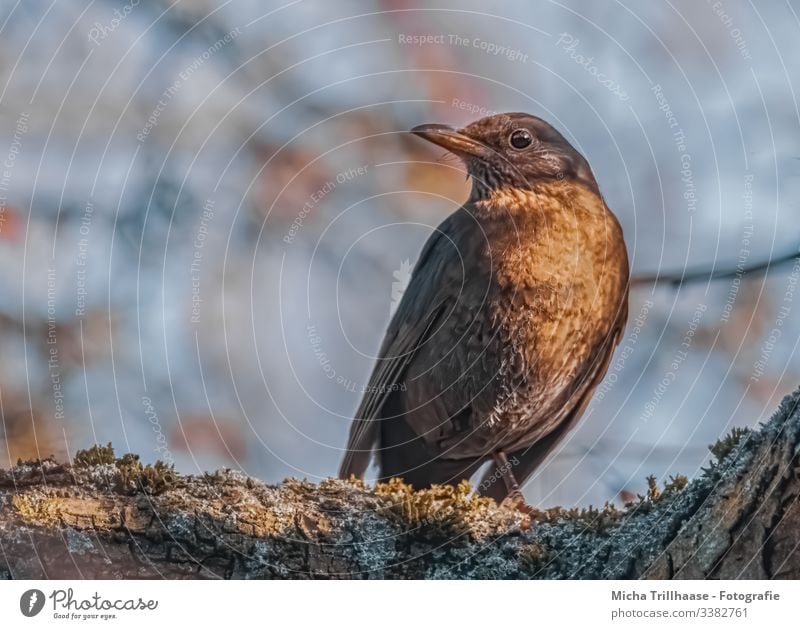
{"x":509,"y":321}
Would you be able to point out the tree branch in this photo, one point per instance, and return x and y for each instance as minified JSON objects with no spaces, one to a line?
{"x":706,"y":275}
{"x":103,"y":517}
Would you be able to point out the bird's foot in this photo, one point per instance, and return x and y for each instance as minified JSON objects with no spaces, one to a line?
{"x":515,"y":500}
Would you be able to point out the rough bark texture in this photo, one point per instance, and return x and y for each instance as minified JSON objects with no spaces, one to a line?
{"x":103,"y":517}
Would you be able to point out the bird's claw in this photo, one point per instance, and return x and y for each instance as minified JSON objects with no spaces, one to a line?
{"x":516,"y":501}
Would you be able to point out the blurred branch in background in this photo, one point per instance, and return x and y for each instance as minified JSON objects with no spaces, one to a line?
{"x":709,"y":274}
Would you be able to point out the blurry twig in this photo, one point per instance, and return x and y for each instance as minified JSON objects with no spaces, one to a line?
{"x":698,"y":275}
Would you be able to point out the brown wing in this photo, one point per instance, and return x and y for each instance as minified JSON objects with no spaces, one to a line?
{"x":416,"y":317}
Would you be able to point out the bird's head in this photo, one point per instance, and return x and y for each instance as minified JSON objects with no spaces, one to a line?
{"x":508,"y":151}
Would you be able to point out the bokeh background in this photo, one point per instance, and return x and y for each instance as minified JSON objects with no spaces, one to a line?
{"x":208,"y":210}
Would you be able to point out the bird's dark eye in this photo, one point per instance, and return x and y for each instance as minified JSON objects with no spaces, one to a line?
{"x":521,"y":138}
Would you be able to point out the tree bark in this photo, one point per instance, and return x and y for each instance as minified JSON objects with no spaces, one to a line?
{"x":102,"y":517}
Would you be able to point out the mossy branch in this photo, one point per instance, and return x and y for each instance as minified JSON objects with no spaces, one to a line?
{"x":109,"y":517}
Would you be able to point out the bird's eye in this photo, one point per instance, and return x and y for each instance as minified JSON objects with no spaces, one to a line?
{"x":521,"y":138}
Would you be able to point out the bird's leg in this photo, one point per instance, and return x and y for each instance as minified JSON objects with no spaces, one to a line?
{"x":514,"y":497}
{"x":504,"y":467}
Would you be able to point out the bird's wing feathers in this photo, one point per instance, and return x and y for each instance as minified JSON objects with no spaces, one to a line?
{"x":415,"y":318}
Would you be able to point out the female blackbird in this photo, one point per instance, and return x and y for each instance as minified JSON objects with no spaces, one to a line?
{"x":509,"y":321}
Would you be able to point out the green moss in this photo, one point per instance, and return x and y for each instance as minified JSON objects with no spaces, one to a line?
{"x":674,"y":485}
{"x":151,"y":479}
{"x":443,"y":509}
{"x":653,"y":492}
{"x":96,"y":455}
{"x":723,"y":447}
{"x":158,"y":477}
{"x":533,"y":556}
{"x":31,"y":510}
{"x":587,"y":518}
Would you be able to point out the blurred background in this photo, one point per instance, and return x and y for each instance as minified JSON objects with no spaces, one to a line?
{"x":208,"y":210}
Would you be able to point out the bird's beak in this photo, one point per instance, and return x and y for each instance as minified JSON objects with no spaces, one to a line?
{"x":450,"y":139}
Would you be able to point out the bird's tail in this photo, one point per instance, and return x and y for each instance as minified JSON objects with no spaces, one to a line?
{"x":363,"y":434}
